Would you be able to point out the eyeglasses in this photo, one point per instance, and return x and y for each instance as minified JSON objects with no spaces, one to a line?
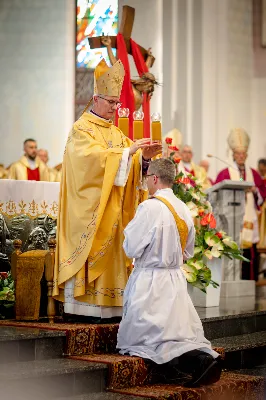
{"x":111,"y":102}
{"x":152,"y":175}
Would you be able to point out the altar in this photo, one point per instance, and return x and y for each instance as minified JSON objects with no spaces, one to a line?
{"x":28,"y":211}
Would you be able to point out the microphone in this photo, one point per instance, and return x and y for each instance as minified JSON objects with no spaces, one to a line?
{"x":218,"y":158}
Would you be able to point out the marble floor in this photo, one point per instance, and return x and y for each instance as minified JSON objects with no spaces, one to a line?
{"x":234,"y":306}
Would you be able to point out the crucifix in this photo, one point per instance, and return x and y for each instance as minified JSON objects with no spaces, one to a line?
{"x":126,"y":26}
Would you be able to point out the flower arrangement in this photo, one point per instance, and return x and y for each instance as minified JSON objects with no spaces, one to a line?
{"x":7,"y":294}
{"x":209,"y":242}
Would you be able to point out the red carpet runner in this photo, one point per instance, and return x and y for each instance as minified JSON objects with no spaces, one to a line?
{"x":132,"y":376}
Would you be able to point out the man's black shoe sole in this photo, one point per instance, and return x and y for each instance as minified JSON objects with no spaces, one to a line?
{"x":210,"y":375}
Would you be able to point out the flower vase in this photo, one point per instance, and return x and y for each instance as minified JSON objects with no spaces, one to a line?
{"x":212,"y":296}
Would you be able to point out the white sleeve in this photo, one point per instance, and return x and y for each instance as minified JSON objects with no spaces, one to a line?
{"x":260,"y":198}
{"x":138,"y":233}
{"x":124,"y":168}
{"x":189,"y":250}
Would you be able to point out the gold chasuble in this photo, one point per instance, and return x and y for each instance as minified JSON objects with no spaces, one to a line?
{"x":20,"y":169}
{"x":93,"y":212}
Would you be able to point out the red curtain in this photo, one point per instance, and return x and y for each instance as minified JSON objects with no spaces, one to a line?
{"x":127,"y":97}
{"x":141,"y":68}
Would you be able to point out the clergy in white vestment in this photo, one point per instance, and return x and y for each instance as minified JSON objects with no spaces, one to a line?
{"x":159,"y":321}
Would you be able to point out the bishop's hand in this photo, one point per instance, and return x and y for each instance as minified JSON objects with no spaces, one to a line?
{"x":152,"y":150}
{"x":149,"y":149}
{"x":138,"y":144}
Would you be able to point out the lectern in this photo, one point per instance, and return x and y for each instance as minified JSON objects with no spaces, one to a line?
{"x":228,"y":201}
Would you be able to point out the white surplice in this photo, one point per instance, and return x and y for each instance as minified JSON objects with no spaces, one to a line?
{"x":159,"y":320}
{"x":73,"y":306}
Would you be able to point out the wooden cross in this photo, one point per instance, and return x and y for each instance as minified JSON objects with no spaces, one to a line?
{"x":126,"y":26}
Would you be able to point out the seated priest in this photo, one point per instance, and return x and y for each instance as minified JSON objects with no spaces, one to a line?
{"x":238,"y":141}
{"x":160,"y":323}
{"x":101,"y":187}
{"x":3,"y":172}
{"x":29,"y":167}
{"x":54,"y":175}
{"x":188,"y":166}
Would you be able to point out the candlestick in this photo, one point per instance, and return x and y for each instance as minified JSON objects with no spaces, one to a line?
{"x":138,"y":125}
{"x":156,"y":127}
{"x":123,"y":121}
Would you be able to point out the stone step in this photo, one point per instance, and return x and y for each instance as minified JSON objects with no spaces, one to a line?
{"x":233,"y":325}
{"x":258,"y":370}
{"x":230,"y":386}
{"x":243,"y":351}
{"x":46,"y":379}
{"x":29,"y":344}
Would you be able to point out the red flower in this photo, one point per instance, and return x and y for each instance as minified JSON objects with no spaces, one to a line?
{"x":3,"y":275}
{"x":208,"y":219}
{"x":168,"y":140}
{"x":219,"y":235}
{"x":201,"y":212}
{"x":174,"y":148}
{"x":177,"y":160}
{"x":184,"y":180}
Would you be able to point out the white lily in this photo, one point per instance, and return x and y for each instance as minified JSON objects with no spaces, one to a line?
{"x":215,"y":252}
{"x":197,"y":264}
{"x":189,"y":272}
{"x":193,"y":209}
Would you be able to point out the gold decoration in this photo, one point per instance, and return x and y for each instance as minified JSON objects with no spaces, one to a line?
{"x":108,"y":81}
{"x":31,"y":209}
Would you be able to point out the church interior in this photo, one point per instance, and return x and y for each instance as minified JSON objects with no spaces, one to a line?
{"x":194,"y":83}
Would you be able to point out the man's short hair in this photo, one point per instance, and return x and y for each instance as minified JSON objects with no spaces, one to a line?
{"x":164,"y":169}
{"x":262,"y":161}
{"x":29,"y":140}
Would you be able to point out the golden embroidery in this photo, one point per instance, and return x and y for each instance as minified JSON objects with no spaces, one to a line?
{"x":22,"y":207}
{"x":248,"y":225}
{"x":85,"y":237}
{"x":31,"y":209}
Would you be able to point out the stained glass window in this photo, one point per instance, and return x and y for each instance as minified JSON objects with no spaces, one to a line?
{"x":94,"y":18}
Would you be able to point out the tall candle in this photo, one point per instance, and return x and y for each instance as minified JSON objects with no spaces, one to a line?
{"x":138,"y":124}
{"x":156,"y":130}
{"x":123,"y":124}
{"x":137,"y":129}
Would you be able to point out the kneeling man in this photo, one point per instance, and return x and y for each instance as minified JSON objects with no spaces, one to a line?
{"x":159,"y":321}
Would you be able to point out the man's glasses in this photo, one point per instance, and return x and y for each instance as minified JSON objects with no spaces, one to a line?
{"x":152,"y":175}
{"x":111,"y":102}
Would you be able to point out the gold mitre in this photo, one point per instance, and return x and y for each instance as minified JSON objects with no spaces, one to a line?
{"x":108,"y":81}
{"x":238,"y":139}
{"x":176,"y":137}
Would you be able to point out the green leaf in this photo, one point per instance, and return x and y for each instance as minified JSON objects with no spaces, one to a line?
{"x":198,"y":284}
{"x":214,"y":284}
